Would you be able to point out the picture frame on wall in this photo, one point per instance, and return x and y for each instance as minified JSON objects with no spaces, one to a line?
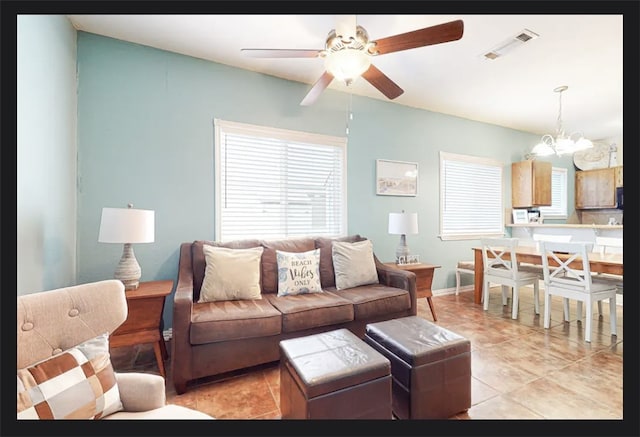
{"x":520,"y":216}
{"x":396,"y":178}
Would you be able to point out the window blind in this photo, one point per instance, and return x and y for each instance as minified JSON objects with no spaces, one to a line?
{"x":470,"y":197}
{"x":558,"y":208}
{"x":274,"y":183}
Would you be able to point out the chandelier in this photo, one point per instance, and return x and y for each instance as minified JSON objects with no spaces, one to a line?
{"x":561,"y":144}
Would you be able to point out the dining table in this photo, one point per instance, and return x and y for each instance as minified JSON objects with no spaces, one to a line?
{"x":598,"y":262}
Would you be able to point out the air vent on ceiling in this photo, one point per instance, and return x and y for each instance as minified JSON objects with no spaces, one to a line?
{"x":509,"y":44}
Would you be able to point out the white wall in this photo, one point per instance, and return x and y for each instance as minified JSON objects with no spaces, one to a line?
{"x":46,"y":153}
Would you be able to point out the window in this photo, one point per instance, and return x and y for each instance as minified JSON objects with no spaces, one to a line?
{"x":558,"y":208}
{"x":470,"y":197}
{"x":274,"y":183}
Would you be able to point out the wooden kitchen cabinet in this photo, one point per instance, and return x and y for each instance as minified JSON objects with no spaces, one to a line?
{"x":530,"y":184}
{"x":597,"y":188}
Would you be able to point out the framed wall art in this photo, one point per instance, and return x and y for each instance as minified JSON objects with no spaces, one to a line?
{"x":520,"y":216}
{"x":396,"y":178}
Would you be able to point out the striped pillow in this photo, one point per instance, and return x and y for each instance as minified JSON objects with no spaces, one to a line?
{"x":78,"y":383}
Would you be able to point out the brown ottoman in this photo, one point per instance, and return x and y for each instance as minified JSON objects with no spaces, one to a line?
{"x":333,"y":375}
{"x":430,"y":365}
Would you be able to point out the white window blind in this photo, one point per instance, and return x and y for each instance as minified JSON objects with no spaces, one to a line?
{"x":470,"y":197}
{"x":558,"y":208}
{"x":276,"y":183}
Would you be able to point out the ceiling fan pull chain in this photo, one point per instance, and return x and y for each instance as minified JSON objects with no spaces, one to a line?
{"x":349,"y":113}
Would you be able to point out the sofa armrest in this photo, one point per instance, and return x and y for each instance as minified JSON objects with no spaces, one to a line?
{"x":182,"y":309}
{"x":141,"y":391}
{"x":392,"y":277}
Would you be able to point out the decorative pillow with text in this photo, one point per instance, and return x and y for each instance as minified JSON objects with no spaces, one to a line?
{"x":298,"y":272}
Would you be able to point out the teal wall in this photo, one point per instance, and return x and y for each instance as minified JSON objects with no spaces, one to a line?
{"x":46,"y":153}
{"x":145,"y":136}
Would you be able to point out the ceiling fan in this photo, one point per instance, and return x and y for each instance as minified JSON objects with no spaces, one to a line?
{"x":348,"y":54}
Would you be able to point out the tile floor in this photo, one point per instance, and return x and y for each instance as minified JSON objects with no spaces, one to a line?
{"x":519,"y":369}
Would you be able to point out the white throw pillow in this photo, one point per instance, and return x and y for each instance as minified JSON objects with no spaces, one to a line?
{"x":231,"y":274}
{"x":354,"y":264}
{"x":298,"y":272}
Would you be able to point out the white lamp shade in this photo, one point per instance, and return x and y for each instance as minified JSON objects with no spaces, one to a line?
{"x":127,"y":225}
{"x":403,"y":223}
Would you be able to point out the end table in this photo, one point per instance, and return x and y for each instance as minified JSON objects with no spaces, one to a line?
{"x":144,"y":320}
{"x":424,"y":278}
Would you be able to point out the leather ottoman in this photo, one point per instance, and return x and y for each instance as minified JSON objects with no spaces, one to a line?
{"x":333,"y":375}
{"x":430,"y":366}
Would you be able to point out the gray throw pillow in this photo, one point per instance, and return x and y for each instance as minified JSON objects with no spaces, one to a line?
{"x":354,"y":264}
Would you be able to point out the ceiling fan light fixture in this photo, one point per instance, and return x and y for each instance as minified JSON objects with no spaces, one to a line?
{"x":347,"y":64}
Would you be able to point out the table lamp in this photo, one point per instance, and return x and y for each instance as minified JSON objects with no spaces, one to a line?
{"x":402,"y":223}
{"x":127,"y":226}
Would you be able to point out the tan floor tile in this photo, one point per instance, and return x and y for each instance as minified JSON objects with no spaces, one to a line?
{"x":555,"y":401}
{"x":499,"y":407}
{"x":237,"y":398}
{"x":538,"y":361}
{"x":488,"y":367}
{"x":601,"y":386}
{"x":556,"y":346}
{"x":480,"y":391}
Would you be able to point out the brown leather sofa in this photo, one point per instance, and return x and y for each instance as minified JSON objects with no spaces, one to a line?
{"x":217,"y":337}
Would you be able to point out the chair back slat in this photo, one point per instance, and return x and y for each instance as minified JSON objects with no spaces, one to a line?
{"x":565,"y":254}
{"x":608,"y":245}
{"x":499,"y":256}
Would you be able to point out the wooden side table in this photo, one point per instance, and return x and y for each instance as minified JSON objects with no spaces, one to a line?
{"x":144,"y":320}
{"x":424,"y":278}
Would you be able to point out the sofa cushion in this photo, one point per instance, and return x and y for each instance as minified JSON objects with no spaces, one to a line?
{"x":299,"y":272}
{"x":306,"y":311}
{"x":327,"y":274}
{"x":233,"y":320}
{"x":231,"y":274}
{"x":354,"y":264}
{"x":198,"y":261}
{"x":371,"y":301}
{"x":78,"y":383}
{"x":270,"y":262}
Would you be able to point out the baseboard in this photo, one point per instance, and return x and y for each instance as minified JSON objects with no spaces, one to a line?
{"x":445,"y":291}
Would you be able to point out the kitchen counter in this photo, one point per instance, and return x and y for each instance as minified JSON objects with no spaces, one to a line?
{"x":574,"y":226}
{"x":579,"y":232}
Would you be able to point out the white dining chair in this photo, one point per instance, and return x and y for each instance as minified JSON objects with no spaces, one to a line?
{"x":501,"y":267}
{"x":574,"y":283}
{"x":603,"y":246}
{"x":536,"y":268}
{"x":464,"y":267}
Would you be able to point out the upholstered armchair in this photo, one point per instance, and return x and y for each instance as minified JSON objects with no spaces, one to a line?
{"x":70,"y":325}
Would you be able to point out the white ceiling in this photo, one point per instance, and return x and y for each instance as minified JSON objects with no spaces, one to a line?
{"x":516,"y":91}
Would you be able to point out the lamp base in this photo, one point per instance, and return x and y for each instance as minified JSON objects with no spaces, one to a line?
{"x":128,"y":270}
{"x":402,"y":252}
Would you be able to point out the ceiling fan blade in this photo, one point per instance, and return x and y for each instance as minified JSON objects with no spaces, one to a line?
{"x":382,"y":82}
{"x":281,"y":53}
{"x":317,"y":89}
{"x":440,"y":33}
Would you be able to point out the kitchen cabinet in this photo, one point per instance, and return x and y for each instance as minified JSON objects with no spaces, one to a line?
{"x":597,"y":188}
{"x":530,"y":184}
